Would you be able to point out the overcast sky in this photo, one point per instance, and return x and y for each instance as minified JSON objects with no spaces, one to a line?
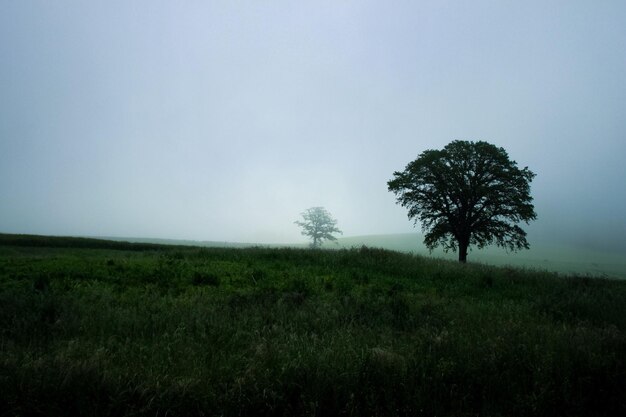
{"x":223,"y":121}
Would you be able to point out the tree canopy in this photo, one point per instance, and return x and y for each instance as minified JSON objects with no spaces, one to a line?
{"x":468,"y":193}
{"x":319,"y":225}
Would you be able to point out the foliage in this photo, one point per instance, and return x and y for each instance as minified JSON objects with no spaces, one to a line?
{"x":275,"y":332}
{"x":468,"y":193}
{"x":319,"y":225}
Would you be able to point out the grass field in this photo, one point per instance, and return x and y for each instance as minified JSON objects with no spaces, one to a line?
{"x":103,"y":328}
{"x":543,"y":255}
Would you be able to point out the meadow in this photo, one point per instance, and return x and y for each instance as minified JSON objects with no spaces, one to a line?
{"x":544,"y":254}
{"x":101,"y":328}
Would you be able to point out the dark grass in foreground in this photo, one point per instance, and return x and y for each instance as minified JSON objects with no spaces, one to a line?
{"x":238,"y":332}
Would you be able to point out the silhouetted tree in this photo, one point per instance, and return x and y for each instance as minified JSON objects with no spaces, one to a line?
{"x":319,"y":225}
{"x":468,"y":193}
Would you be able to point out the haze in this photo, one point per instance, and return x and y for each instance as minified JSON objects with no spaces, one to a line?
{"x":225,"y":120}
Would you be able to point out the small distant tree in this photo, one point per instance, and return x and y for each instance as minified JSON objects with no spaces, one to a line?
{"x":468,"y":193}
{"x":319,"y":225}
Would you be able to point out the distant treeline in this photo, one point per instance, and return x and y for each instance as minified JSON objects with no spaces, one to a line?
{"x":76,"y":242}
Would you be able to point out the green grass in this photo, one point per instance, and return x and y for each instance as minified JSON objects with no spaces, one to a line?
{"x":543,"y":255}
{"x":157,"y":330}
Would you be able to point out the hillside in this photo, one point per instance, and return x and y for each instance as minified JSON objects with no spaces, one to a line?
{"x":543,"y":254}
{"x":89,"y":327}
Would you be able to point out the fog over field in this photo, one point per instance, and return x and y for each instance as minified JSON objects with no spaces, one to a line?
{"x":224,"y":120}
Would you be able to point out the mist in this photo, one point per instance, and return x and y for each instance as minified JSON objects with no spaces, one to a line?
{"x":223,"y":121}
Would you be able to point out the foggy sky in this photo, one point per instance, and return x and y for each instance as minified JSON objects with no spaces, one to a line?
{"x":225,"y":120}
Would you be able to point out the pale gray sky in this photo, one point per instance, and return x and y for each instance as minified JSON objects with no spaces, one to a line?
{"x":224,"y":120}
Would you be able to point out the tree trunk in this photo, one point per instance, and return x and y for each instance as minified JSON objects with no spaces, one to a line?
{"x":463,"y":244}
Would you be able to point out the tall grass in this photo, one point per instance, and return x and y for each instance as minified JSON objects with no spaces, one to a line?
{"x":237,"y":332}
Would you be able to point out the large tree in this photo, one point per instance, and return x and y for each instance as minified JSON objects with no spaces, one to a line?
{"x":468,"y":193}
{"x":319,"y":225}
